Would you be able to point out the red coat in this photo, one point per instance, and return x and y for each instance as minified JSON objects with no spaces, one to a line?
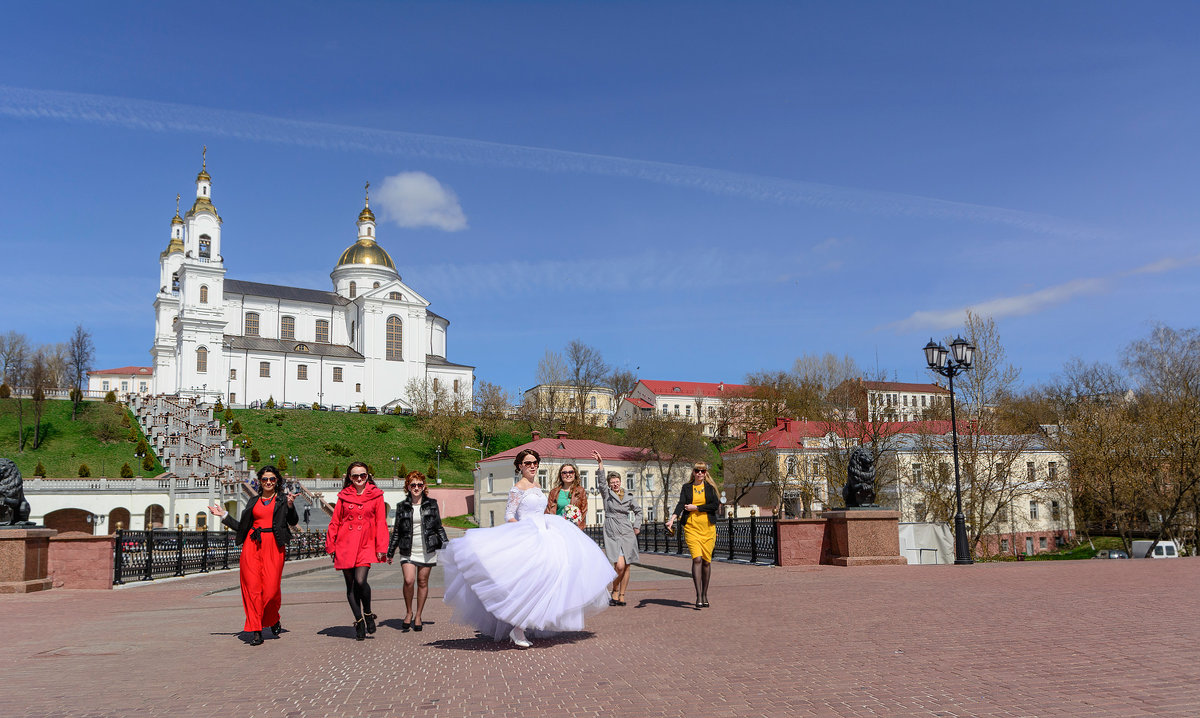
{"x":358,"y":528}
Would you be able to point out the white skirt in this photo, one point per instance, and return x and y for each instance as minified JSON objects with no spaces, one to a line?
{"x":540,"y":573}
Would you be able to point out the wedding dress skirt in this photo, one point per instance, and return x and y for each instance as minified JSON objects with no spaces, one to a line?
{"x":540,"y":573}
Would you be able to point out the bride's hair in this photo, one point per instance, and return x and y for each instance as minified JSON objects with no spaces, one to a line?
{"x":522,"y":454}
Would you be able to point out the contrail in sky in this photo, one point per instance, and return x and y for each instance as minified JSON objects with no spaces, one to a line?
{"x":171,"y":117}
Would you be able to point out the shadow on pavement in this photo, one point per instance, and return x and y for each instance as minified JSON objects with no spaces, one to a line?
{"x":337,"y":632}
{"x":485,"y":643}
{"x":673,"y":603}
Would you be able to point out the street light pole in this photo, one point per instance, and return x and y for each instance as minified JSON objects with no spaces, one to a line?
{"x":940,"y":361}
{"x":439,"y":464}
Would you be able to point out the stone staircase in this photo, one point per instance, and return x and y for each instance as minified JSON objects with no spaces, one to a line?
{"x":190,"y":442}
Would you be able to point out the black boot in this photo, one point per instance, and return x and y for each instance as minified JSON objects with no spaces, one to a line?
{"x":360,"y":631}
{"x":277,"y":628}
{"x":370,"y":619}
{"x":256,"y":638}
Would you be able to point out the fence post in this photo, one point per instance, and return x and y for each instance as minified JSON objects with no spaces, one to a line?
{"x":753,"y":539}
{"x":775,"y":533}
{"x":729,"y":519}
{"x":148,"y":544}
{"x":179,"y":553}
{"x":204,"y":551}
{"x":679,"y":540}
{"x":118,"y":559}
{"x":225,"y":540}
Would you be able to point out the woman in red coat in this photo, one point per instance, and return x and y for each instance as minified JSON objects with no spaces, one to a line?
{"x":356,"y":538}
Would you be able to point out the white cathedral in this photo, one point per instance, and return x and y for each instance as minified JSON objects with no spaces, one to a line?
{"x":245,"y":342}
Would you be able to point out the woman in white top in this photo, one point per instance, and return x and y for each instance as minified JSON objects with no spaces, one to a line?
{"x":535,"y":573}
{"x":418,"y":534}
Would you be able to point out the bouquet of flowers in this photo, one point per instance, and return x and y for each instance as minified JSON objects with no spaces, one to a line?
{"x":573,"y":514}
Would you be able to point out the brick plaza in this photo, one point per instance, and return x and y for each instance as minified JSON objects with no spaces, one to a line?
{"x":1067,"y":638}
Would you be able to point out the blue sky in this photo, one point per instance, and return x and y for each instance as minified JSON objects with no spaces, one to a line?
{"x":700,"y":190}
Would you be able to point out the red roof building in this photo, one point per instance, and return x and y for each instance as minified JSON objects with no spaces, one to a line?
{"x":715,"y":405}
{"x":124,"y":381}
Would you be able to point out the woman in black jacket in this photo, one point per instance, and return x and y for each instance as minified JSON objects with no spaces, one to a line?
{"x":697,"y":511}
{"x":418,"y":534}
{"x":260,"y":568}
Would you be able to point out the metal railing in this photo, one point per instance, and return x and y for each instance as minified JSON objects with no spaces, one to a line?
{"x":748,"y":540}
{"x":147,"y":555}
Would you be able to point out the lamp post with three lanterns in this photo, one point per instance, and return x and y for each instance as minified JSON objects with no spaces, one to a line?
{"x":950,"y":363}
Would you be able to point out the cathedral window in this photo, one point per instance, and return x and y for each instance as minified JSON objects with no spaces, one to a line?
{"x":201,"y":360}
{"x":233,"y":374}
{"x":175,"y":283}
{"x":205,"y":246}
{"x":287,"y":328}
{"x":302,"y":372}
{"x":395,"y":332}
{"x":435,"y":384}
{"x":358,"y":388}
{"x":204,"y":294}
{"x":337,"y":373}
{"x":353,"y":290}
{"x":322,"y":331}
{"x":264,"y":369}
{"x":251,"y":329}
{"x":396,"y":295}
{"x":232,"y":397}
{"x":456,"y":386}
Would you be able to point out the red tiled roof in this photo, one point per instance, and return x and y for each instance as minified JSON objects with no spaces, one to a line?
{"x":639,"y":403}
{"x":790,"y":433}
{"x":695,"y":388}
{"x":577,"y":449}
{"x":143,"y":370}
{"x":902,"y":386}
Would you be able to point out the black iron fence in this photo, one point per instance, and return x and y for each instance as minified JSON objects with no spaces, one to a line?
{"x":749,"y":540}
{"x":147,"y":555}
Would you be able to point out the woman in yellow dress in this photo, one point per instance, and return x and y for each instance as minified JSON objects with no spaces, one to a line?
{"x":697,"y":511}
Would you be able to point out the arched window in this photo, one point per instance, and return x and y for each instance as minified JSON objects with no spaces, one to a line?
{"x":205,"y":246}
{"x":395,"y":333}
{"x":353,"y":290}
{"x":369,"y":231}
{"x":251,"y":328}
{"x":396,"y":295}
{"x":322,"y":331}
{"x":287,"y":328}
{"x":175,"y":283}
{"x":201,"y":360}
{"x":204,"y":294}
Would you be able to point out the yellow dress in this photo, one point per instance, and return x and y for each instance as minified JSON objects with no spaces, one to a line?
{"x":699,"y":533}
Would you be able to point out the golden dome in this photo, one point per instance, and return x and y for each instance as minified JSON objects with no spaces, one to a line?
{"x":176,"y":219}
{"x":203,"y":176}
{"x":366,"y":251}
{"x":366,"y":215}
{"x":203,"y":204}
{"x":176,"y":245}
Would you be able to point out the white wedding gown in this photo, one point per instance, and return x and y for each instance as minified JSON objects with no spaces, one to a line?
{"x":540,"y":573}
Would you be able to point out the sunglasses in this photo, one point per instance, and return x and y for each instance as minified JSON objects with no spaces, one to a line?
{"x":530,"y":463}
{"x":272,"y":479}
{"x":416,"y":486}
{"x":699,"y":471}
{"x":567,"y":473}
{"x":359,"y":476}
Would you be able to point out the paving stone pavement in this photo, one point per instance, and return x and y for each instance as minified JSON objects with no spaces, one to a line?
{"x":1068,"y":638}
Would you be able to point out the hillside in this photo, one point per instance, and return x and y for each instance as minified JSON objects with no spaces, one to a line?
{"x":99,"y":438}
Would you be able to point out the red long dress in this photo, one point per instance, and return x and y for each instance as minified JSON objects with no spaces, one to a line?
{"x":261,"y":572}
{"x":358,"y":528}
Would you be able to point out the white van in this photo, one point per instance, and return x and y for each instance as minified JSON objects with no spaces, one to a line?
{"x":1165,"y":549}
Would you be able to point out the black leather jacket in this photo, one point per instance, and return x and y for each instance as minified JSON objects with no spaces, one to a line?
{"x":432,"y":531}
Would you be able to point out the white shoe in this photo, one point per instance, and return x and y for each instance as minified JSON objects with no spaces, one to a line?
{"x":517,"y":636}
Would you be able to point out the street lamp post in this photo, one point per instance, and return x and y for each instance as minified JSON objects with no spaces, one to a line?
{"x":951,"y":363}
{"x":439,"y":464}
{"x":396,"y":466}
{"x":472,"y":448}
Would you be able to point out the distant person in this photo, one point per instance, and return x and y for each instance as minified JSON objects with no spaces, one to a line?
{"x":622,"y":524}
{"x":307,"y":515}
{"x":418,"y":534}
{"x":536,"y":572}
{"x":568,"y":492}
{"x":357,"y":537}
{"x":260,"y":570}
{"x":697,"y":511}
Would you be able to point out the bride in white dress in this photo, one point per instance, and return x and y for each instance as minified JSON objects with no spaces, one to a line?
{"x":537,"y":572}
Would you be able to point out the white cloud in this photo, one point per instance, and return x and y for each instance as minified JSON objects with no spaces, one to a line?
{"x":415,"y":199}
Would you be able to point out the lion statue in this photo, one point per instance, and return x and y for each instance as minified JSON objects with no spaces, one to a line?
{"x":859,"y":490}
{"x":14,"y":510}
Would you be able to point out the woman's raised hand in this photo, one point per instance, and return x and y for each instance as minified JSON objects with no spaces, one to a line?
{"x":291,"y":499}
{"x":600,"y":462}
{"x":217,"y":511}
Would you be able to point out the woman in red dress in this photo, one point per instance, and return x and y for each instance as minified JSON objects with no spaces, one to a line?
{"x":261,"y":567}
{"x":356,"y":538}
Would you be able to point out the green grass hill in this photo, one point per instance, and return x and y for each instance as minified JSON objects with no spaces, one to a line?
{"x":99,"y":437}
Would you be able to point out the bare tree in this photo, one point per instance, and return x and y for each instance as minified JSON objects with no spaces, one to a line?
{"x":777,"y":394}
{"x":551,"y":392}
{"x":749,"y":470}
{"x":586,"y":372}
{"x":38,"y":379}
{"x":668,"y":444}
{"x":80,"y":352}
{"x":16,"y":366}
{"x":443,"y":414}
{"x":12,"y":345}
{"x":492,"y":405}
{"x":622,"y":382}
{"x":825,"y":371}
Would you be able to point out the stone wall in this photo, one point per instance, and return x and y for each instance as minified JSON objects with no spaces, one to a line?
{"x":802,"y":542}
{"x":79,"y":560}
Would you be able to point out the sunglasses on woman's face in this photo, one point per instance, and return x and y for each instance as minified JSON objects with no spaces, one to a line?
{"x":358,"y":476}
{"x":568,"y":473}
{"x":699,"y":471}
{"x":271,"y":479}
{"x":529,"y":463}
{"x":416,"y":486}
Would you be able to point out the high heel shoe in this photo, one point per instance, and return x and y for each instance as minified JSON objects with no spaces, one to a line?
{"x":698,"y":606}
{"x":360,"y":630}
{"x":277,"y":628}
{"x":256,"y":638}
{"x":405,"y":625}
{"x":417,"y":625}
{"x":704,"y":603}
{"x":621,"y":600}
{"x":517,"y":636}
{"x":370,"y":619}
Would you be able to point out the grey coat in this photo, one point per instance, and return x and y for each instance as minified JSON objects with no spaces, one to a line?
{"x":621,"y":518}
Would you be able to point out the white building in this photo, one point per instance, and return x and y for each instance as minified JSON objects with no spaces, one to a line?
{"x":126,"y":380}
{"x":719,"y":407}
{"x":242,"y":342}
{"x":901,"y":401}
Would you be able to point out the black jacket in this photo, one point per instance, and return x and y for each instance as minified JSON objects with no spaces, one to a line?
{"x":281,"y":518}
{"x":432,"y":532}
{"x":712,"y":502}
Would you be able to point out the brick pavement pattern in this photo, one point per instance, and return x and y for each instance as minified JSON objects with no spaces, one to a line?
{"x":1068,"y":638}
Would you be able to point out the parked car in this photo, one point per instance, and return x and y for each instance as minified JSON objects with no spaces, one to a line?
{"x":287,"y":405}
{"x":1111,"y":553}
{"x":1165,"y":549}
{"x":372,"y":410}
{"x":320,"y":407}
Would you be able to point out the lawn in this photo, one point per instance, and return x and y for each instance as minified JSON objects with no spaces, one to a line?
{"x":1070,"y":553}
{"x":97,"y":438}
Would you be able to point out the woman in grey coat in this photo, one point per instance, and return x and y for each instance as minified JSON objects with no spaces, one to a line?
{"x":622,"y":524}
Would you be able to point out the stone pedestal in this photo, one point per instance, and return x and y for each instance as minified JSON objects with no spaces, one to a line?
{"x":864,"y":537}
{"x":802,"y":542}
{"x":24,"y":560}
{"x":79,"y":560}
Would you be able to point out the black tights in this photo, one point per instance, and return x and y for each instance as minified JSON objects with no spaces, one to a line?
{"x":358,"y":591}
{"x":701,"y":570}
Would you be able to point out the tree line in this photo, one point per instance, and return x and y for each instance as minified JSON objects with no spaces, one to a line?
{"x":29,"y":371}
